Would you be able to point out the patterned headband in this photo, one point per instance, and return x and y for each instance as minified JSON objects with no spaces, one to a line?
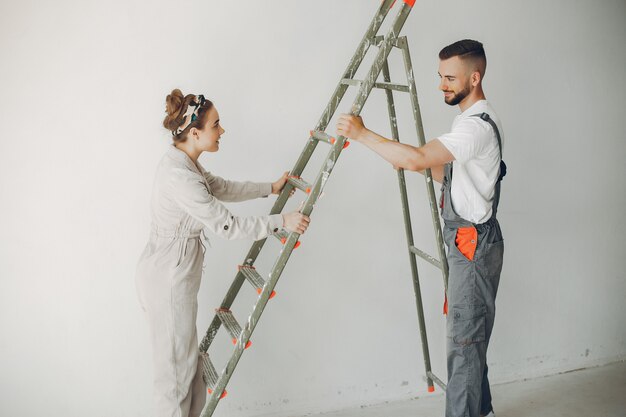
{"x":191,"y":115}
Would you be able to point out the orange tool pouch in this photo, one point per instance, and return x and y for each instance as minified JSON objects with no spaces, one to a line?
{"x":466,"y":241}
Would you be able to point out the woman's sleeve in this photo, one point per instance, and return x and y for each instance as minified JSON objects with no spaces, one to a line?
{"x":190,"y":193}
{"x":234,"y":191}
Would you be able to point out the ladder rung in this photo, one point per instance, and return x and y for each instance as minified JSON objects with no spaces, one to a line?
{"x":283,"y":235}
{"x":325,"y":137}
{"x":300,"y":184}
{"x":377,"y":40}
{"x":383,"y":85}
{"x":425,"y":256}
{"x":254,"y":278}
{"x":350,"y":81}
{"x":233,"y":328}
{"x":209,"y":374}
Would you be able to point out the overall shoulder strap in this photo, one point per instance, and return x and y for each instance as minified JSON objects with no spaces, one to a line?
{"x":489,"y":120}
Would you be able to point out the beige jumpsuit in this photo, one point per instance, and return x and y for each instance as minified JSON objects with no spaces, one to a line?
{"x":185,"y":200}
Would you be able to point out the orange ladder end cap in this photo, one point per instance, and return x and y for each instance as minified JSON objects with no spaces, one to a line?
{"x":332,"y":141}
{"x":260,"y":290}
{"x":297,"y":245}
{"x":247,"y":344}
{"x":346,"y":144}
{"x":224,"y":393}
{"x":308,"y":190}
{"x":431,"y":388}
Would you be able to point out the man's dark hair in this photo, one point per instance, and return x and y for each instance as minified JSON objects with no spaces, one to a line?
{"x":467,"y":49}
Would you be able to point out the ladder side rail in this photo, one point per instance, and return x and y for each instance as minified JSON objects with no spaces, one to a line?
{"x":362,"y":95}
{"x":354,"y":63}
{"x":302,"y":161}
{"x":364,"y":91}
{"x":274,"y":275}
{"x":383,"y":53}
{"x":341,"y":88}
{"x":438,"y":381}
{"x":417,"y":117}
{"x":320,"y":181}
{"x":326,"y":169}
{"x":409,"y":232}
{"x":336,"y":149}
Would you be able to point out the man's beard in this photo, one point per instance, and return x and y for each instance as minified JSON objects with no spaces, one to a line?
{"x":457,"y":97}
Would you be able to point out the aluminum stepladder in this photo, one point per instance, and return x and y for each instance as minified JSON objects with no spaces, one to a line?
{"x":216,"y":383}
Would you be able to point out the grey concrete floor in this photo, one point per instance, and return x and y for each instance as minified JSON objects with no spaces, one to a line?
{"x":594,"y":392}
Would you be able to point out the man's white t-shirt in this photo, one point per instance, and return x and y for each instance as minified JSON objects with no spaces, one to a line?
{"x":475,"y":170}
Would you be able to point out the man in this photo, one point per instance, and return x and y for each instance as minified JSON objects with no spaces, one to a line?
{"x":467,"y":161}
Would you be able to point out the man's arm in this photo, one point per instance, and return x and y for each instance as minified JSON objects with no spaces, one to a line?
{"x":436,"y":172}
{"x":433,"y":155}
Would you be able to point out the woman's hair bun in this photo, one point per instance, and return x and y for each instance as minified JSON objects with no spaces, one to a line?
{"x":175,"y":106}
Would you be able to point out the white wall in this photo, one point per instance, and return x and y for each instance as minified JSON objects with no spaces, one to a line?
{"x":83,"y":87}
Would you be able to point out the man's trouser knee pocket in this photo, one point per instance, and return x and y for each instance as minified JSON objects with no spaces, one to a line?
{"x":468,"y":324}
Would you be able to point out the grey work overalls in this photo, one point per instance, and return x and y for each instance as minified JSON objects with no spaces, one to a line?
{"x":472,"y":288}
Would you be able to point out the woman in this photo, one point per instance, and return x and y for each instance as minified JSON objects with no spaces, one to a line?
{"x":185,"y":200}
